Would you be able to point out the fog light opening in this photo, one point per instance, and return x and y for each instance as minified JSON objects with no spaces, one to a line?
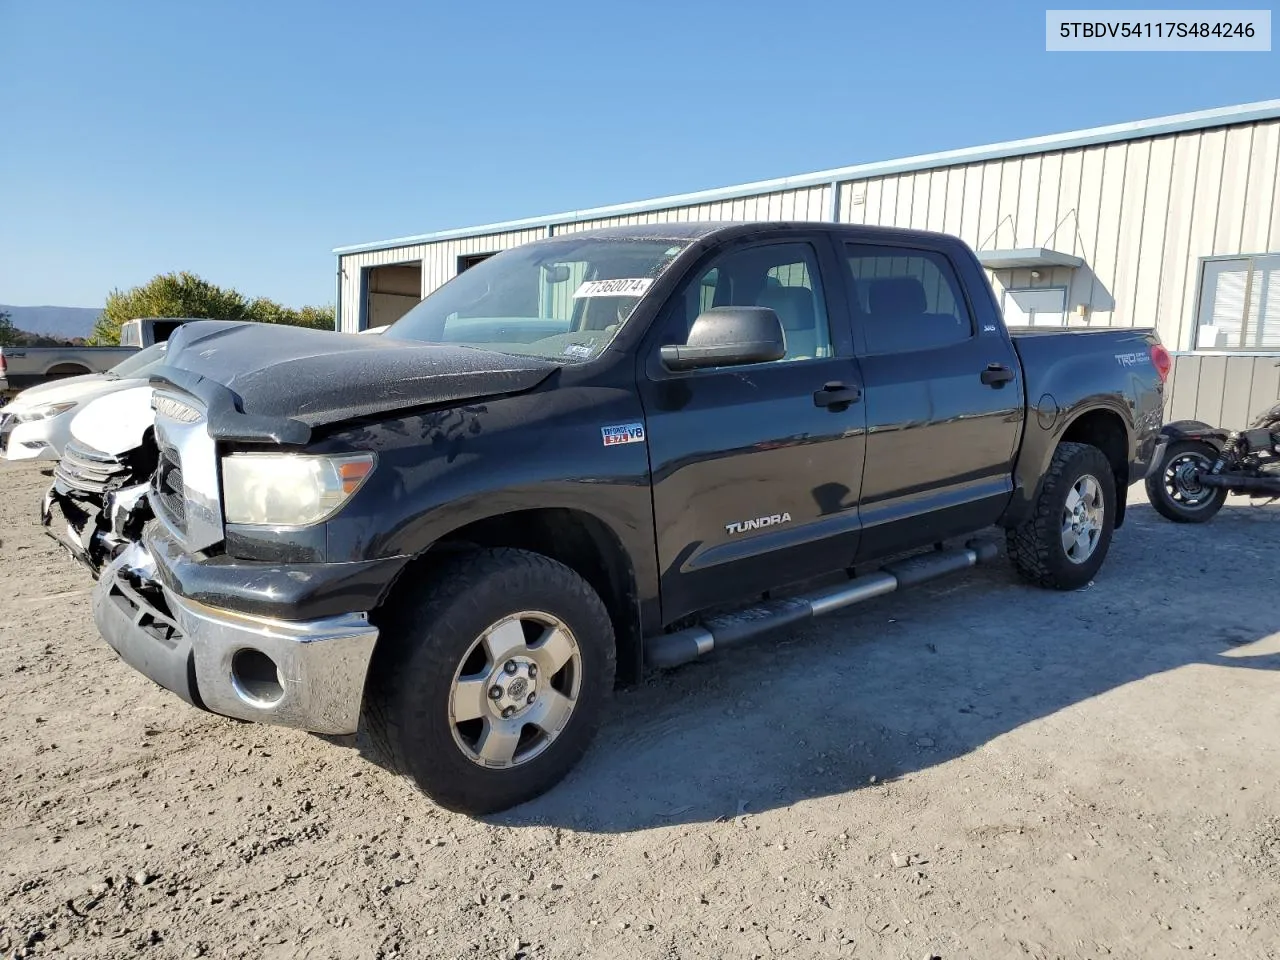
{"x":256,"y":678}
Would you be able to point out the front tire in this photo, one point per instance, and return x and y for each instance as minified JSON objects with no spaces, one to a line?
{"x":1063,"y":544}
{"x":491,"y":681}
{"x":1173,"y":488}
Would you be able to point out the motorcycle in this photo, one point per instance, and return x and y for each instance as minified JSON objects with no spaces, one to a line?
{"x":1197,"y":465}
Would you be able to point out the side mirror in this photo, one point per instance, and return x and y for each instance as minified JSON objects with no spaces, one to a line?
{"x":727,"y":337}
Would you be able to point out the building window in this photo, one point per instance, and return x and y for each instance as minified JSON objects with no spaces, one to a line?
{"x":1035,"y":307}
{"x":468,"y":260}
{"x":1239,"y":304}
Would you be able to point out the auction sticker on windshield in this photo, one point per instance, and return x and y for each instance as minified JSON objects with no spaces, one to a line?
{"x":623,"y":287}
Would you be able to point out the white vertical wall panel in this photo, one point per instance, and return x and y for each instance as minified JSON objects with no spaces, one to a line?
{"x":1237,"y":151}
{"x":1177,"y":277}
{"x":1260,"y":193}
{"x":1130,"y":229}
{"x":1030,"y":184}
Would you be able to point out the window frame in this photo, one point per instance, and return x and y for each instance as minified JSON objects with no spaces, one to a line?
{"x":1193,"y":334}
{"x":1007,"y":292}
{"x":960,"y":293}
{"x":831,"y":291}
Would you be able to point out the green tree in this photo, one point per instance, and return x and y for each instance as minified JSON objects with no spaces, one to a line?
{"x":188,"y":295}
{"x":268,"y":311}
{"x":317,"y":318}
{"x":8,"y":334}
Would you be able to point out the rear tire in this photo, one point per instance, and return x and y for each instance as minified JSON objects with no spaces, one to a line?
{"x":490,"y":680}
{"x":1172,"y":489}
{"x":1066,"y":539}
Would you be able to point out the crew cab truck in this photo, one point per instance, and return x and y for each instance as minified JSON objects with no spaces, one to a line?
{"x":572,"y":459}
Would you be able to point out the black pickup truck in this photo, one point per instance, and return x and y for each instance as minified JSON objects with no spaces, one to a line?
{"x":594,"y":452}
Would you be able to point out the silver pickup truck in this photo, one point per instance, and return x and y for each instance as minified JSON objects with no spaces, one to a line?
{"x":22,"y":367}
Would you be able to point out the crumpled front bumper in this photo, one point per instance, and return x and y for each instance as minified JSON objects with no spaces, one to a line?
{"x":222,"y":661}
{"x":35,"y":439}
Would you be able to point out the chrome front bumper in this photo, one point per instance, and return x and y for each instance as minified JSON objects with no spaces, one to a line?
{"x":222,"y":660}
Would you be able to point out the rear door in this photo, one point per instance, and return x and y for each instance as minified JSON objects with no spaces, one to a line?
{"x":755,"y":471}
{"x":943,"y":397}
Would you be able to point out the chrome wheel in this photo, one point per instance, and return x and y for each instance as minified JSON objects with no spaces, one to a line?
{"x":515,"y":689}
{"x":1082,"y":518}
{"x":1182,"y":480}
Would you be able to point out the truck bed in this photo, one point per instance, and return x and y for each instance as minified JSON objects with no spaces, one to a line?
{"x":1024,"y":332}
{"x":22,"y":367}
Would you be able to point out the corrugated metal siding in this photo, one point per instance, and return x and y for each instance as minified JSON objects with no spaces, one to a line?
{"x":810,"y":203}
{"x":440,"y":261}
{"x":439,"y":264}
{"x":1225,"y":391}
{"x":1141,"y":212}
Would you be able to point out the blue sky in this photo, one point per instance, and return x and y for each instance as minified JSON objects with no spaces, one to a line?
{"x":244,"y":140}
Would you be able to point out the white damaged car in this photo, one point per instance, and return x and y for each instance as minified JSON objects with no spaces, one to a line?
{"x":102,"y":479}
{"x":36,"y":424}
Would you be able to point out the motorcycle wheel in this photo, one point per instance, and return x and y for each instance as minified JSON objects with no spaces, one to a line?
{"x":1174,"y":486}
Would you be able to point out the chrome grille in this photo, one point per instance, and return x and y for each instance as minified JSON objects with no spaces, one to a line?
{"x":85,"y":470}
{"x":7,"y":422}
{"x":185,"y":491}
{"x":168,"y":487}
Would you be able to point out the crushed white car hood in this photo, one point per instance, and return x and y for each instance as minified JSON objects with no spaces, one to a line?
{"x":115,"y":423}
{"x":66,"y":390}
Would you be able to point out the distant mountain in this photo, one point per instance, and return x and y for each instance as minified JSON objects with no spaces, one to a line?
{"x":68,"y":322}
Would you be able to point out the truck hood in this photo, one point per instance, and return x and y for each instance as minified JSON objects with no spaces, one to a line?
{"x":316,"y":377}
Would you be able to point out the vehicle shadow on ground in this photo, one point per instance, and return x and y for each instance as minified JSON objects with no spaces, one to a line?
{"x":913,"y":680}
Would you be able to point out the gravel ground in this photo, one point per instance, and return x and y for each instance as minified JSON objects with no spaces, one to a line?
{"x":974,"y":769}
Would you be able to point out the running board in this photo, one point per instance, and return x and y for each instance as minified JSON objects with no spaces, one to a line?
{"x":727,"y":630}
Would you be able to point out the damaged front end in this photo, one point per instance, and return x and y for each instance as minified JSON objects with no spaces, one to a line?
{"x":98,"y":502}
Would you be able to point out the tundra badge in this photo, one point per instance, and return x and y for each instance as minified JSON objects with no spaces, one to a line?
{"x":742,"y":526}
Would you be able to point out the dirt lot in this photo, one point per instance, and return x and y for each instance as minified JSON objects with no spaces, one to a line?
{"x":977,"y":769}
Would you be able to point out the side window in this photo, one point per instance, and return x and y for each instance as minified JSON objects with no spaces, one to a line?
{"x":906,"y":299}
{"x":782,"y":276}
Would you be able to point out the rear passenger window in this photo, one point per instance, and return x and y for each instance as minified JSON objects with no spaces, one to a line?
{"x":906,"y":299}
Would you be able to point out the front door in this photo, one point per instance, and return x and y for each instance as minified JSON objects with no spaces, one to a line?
{"x":943,"y":399}
{"x":756,"y":468}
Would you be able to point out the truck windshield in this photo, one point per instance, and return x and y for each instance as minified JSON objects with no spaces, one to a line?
{"x":559,"y":299}
{"x":141,"y":363}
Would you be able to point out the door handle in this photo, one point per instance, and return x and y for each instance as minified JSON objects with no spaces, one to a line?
{"x":837,"y":396}
{"x":996,"y":375}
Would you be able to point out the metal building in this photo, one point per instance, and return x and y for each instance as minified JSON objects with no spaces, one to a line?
{"x":1172,"y":223}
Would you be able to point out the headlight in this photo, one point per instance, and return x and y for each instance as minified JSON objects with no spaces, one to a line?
{"x":289,"y":489}
{"x":43,"y":413}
